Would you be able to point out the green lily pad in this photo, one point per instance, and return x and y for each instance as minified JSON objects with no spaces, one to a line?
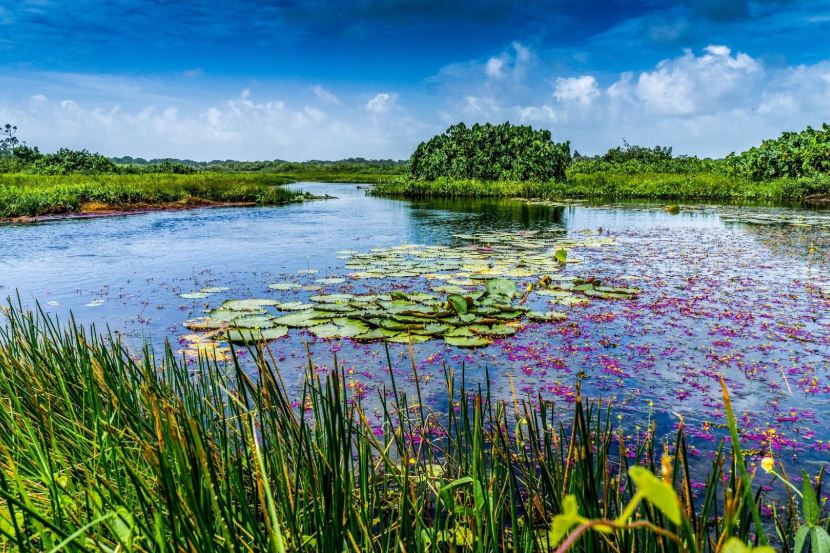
{"x":226,"y":315}
{"x":433,"y":329}
{"x":331,"y":298}
{"x":253,"y":321}
{"x":204,"y":323}
{"x":294,"y":306}
{"x":284,"y":286}
{"x":214,"y":289}
{"x":458,"y":303}
{"x":194,"y":295}
{"x":547,"y":316}
{"x":248,"y":305}
{"x":467,"y":341}
{"x":404,"y":338}
{"x":495,"y":330}
{"x":375,"y":335}
{"x":300,"y":319}
{"x":330,"y":280}
{"x":248,"y":336}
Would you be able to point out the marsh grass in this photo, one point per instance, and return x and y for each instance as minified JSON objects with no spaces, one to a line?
{"x":23,"y":195}
{"x":105,"y":449}
{"x":668,"y":186}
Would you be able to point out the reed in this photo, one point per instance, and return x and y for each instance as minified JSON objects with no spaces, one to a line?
{"x":107,"y":449}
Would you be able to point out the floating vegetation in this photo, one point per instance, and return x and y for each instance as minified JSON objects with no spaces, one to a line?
{"x":483,"y":292}
{"x":757,"y":217}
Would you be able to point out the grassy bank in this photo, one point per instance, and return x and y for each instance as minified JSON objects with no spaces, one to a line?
{"x":668,"y":186}
{"x":27,"y":195}
{"x":106,"y":450}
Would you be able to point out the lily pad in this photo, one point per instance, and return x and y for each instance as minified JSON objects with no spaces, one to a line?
{"x":467,"y":341}
{"x":194,"y":295}
{"x":547,"y":316}
{"x":300,"y":319}
{"x":330,"y":280}
{"x":248,"y":305}
{"x":253,"y":321}
{"x":375,"y":335}
{"x":284,"y":286}
{"x":251,"y":336}
{"x":331,"y":298}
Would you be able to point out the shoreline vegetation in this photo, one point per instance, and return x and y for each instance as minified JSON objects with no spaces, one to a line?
{"x":111,"y":450}
{"x":516,"y":161}
{"x":505,"y":160}
{"x":615,"y":186}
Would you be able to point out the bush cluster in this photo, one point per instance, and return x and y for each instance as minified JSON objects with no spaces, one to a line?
{"x":491,"y":152}
{"x":792,"y":155}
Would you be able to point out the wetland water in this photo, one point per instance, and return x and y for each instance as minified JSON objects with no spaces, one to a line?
{"x":717,"y":296}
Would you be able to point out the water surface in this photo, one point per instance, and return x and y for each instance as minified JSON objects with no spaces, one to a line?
{"x":747,"y":301}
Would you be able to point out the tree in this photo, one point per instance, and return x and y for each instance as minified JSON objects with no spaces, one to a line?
{"x":491,"y":152}
{"x":8,"y":140}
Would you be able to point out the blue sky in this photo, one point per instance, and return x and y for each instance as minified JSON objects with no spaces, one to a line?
{"x":295,"y":79}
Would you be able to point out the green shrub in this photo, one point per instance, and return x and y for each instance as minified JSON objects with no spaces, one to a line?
{"x":491,"y":152}
{"x":793,"y":155}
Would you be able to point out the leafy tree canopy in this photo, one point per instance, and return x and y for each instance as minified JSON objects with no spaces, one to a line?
{"x":491,"y":152}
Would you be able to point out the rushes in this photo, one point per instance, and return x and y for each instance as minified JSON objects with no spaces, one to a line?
{"x":105,"y":450}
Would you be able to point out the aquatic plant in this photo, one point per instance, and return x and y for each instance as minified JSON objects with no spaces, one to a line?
{"x":479,"y":299}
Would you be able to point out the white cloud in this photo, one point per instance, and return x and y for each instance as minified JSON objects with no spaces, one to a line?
{"x":381,"y":103}
{"x":708,"y":102}
{"x":581,"y":90}
{"x":325,"y":96}
{"x":242,"y":127}
{"x":494,"y":68}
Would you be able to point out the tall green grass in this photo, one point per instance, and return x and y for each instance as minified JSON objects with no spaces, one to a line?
{"x":24,"y":195}
{"x":668,"y":186}
{"x":107,"y":449}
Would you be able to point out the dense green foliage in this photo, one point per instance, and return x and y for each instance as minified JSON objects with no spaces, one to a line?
{"x":25,"y":159}
{"x":793,"y":155}
{"x":26,"y":195}
{"x":491,"y":152}
{"x":350,"y":165}
{"x":105,"y":450}
{"x":795,"y":166}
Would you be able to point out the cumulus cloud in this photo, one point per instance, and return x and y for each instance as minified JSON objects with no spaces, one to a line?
{"x":246,"y":126}
{"x":708,"y":102}
{"x":381,"y":103}
{"x":581,"y":90}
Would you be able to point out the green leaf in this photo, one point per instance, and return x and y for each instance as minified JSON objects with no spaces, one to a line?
{"x":561,"y":256}
{"x":820,"y":540}
{"x":501,"y":287}
{"x":467,"y":341}
{"x":563,"y":523}
{"x":656,"y":492}
{"x":801,"y":538}
{"x":811,"y":509}
{"x":250,"y":336}
{"x":478,"y":493}
{"x":458,"y":303}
